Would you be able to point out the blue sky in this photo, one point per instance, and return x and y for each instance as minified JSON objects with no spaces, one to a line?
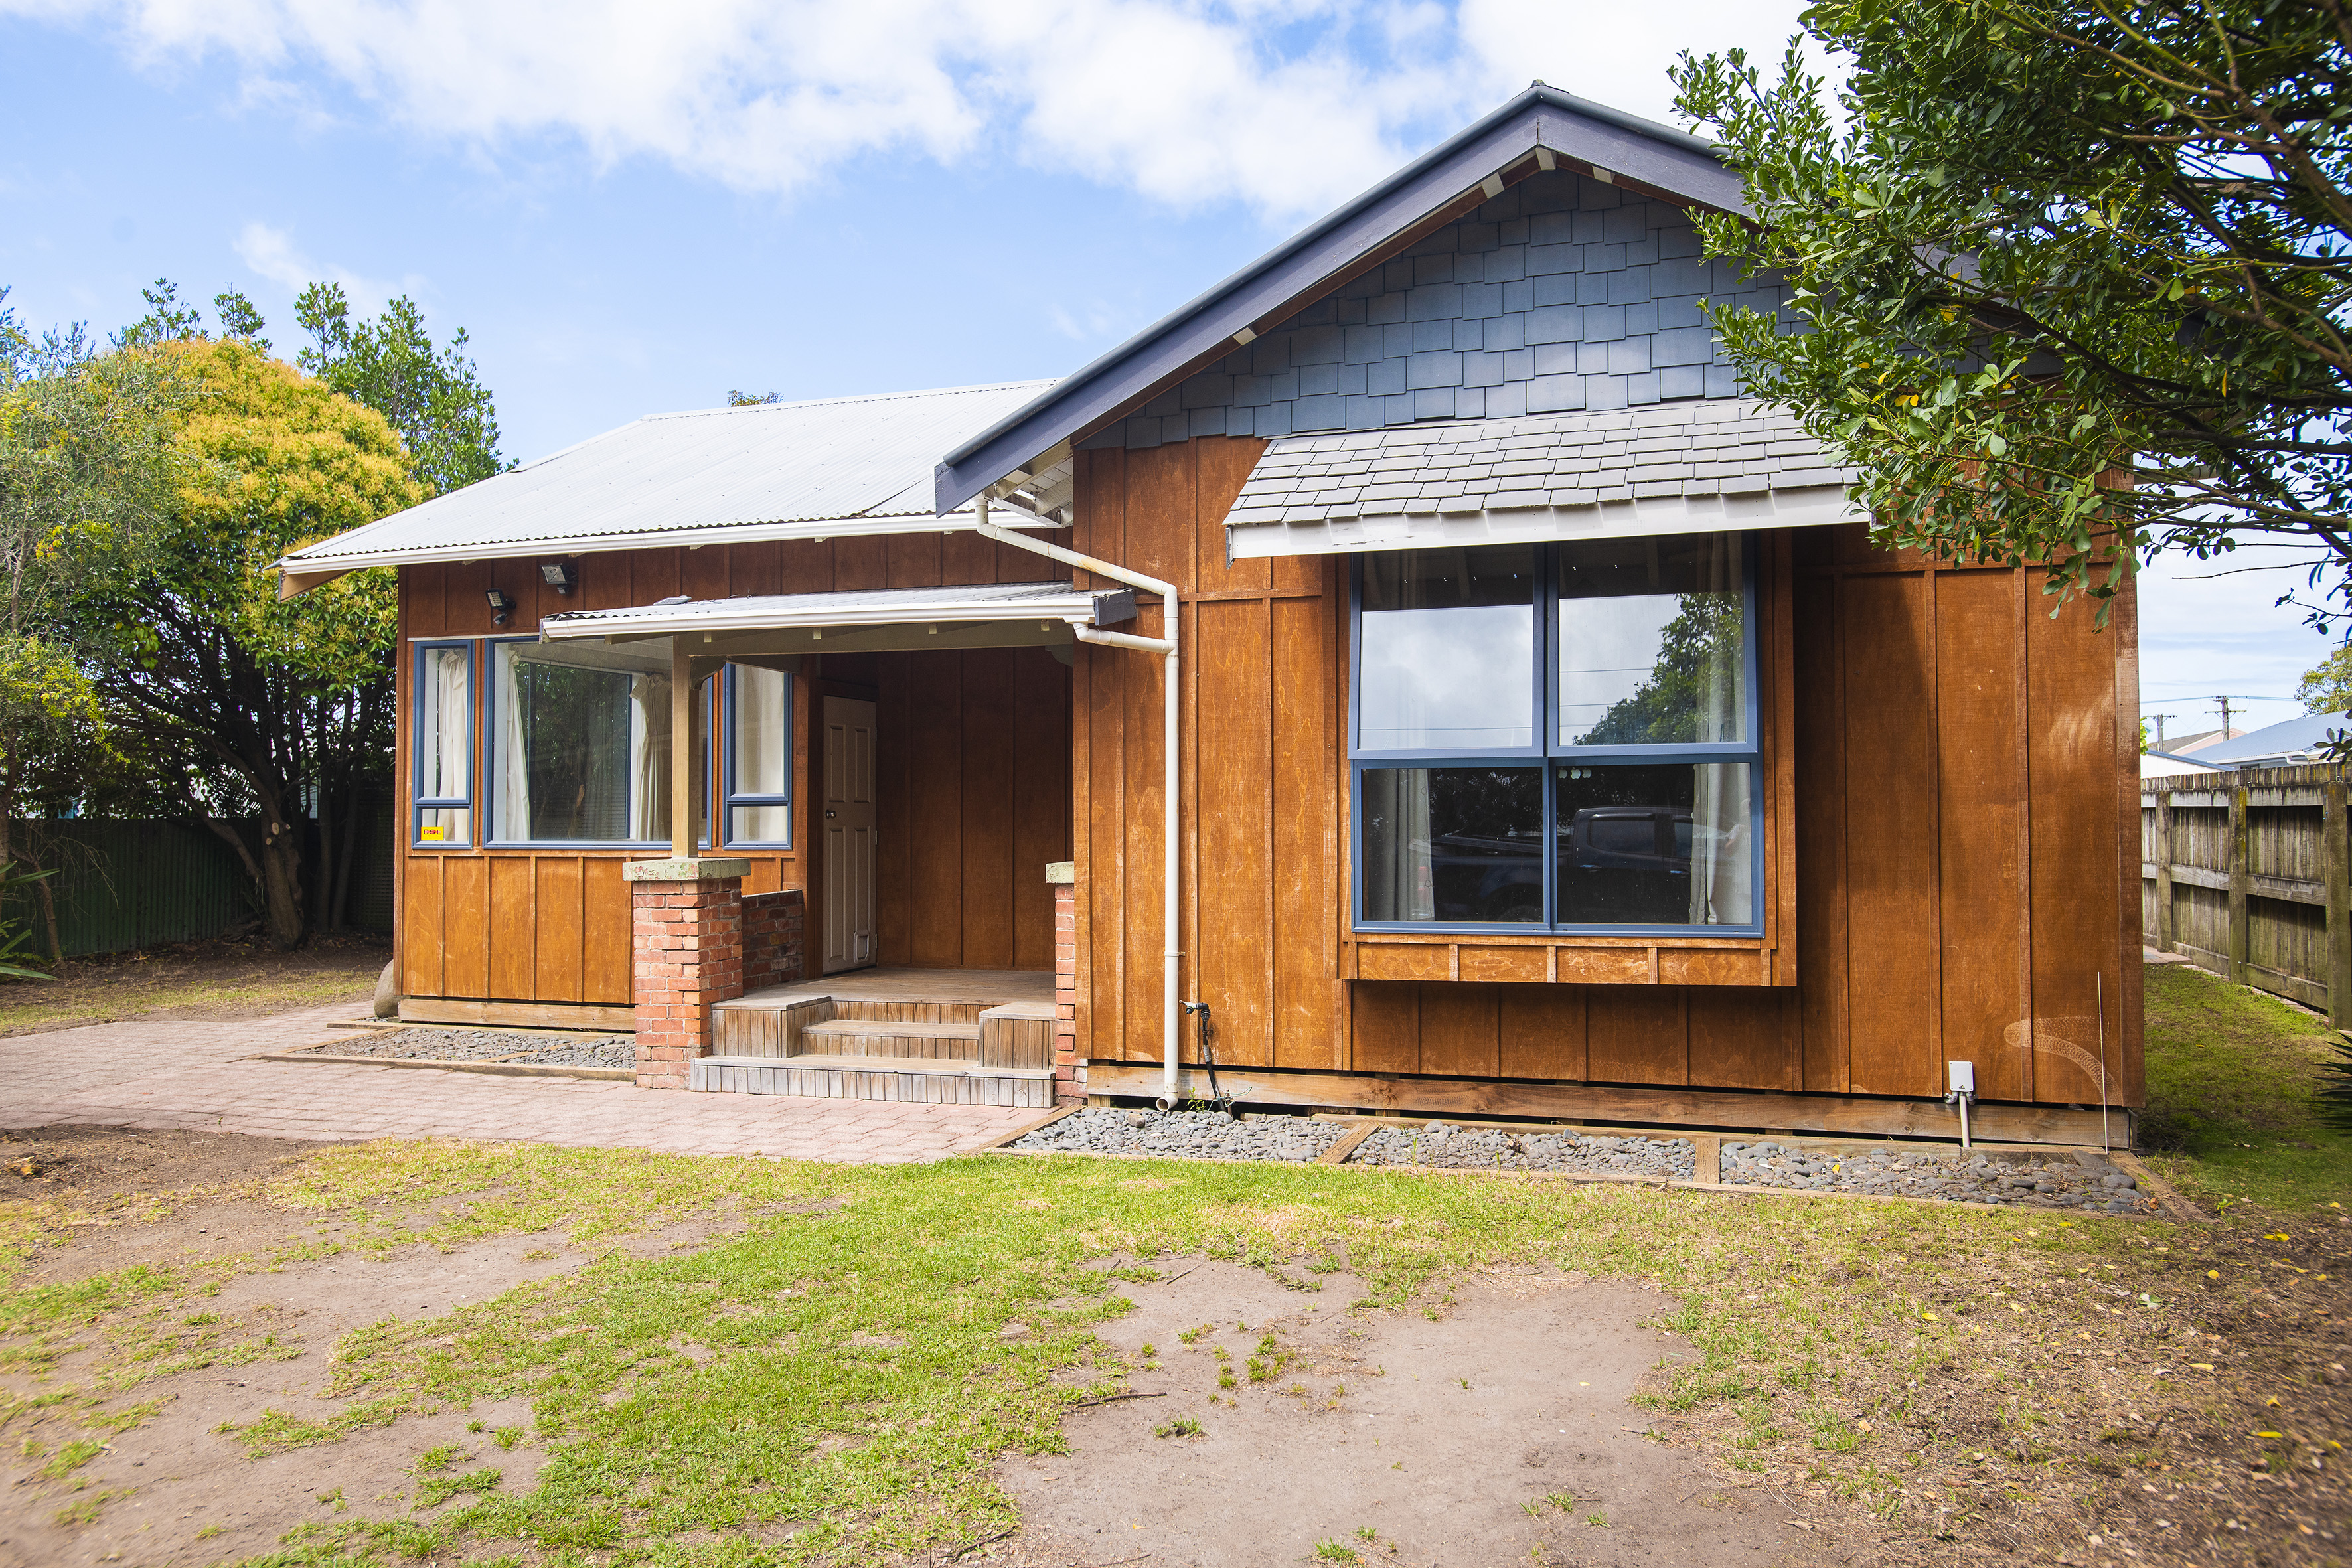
{"x":635,"y":206}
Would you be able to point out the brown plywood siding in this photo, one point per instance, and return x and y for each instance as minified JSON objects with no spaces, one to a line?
{"x":1952,"y":790}
{"x":980,"y":739}
{"x":1260,"y":852}
{"x":1968,"y":803}
{"x":973,"y":754}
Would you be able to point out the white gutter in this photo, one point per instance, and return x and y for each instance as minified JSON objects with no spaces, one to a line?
{"x":1172,"y":706}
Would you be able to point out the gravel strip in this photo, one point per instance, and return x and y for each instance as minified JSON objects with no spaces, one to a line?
{"x":1192,"y":1134}
{"x":1491,"y":1149}
{"x":490,"y":1045}
{"x":2022,"y":1179}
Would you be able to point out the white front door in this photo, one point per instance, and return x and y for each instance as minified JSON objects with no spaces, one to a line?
{"x":848,"y":825}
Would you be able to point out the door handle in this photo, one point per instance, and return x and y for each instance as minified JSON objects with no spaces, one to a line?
{"x":833,"y":813}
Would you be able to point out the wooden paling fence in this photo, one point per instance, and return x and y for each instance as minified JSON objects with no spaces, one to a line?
{"x":2245,"y":874}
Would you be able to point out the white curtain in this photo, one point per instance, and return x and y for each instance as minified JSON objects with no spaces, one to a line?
{"x":1721,"y":862}
{"x":511,"y":808}
{"x":1400,"y":884}
{"x":1721,"y":865}
{"x":649,"y":759}
{"x":451,"y":711}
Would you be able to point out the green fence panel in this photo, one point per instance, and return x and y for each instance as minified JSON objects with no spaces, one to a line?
{"x":121,"y":886}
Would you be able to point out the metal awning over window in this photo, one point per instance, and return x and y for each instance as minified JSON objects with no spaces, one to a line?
{"x":969,"y":615}
{"x":1674,"y":467}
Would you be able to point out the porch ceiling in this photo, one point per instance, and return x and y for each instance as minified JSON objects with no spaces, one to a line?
{"x":971,"y":614}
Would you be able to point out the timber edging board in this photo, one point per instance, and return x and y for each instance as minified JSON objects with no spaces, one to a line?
{"x":1834,"y":1115}
{"x":500,"y":1069}
{"x":516,"y":1014}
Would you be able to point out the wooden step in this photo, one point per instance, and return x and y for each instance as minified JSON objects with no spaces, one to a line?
{"x":894,"y":1010}
{"x":926,"y":1080}
{"x":863,"y":1037}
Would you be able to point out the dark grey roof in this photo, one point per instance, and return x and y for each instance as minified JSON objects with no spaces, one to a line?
{"x":1721,"y":463}
{"x":1581,"y":134}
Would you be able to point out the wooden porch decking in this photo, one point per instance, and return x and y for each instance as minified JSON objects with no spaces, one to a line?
{"x":943,"y":1037}
{"x":988,"y":987}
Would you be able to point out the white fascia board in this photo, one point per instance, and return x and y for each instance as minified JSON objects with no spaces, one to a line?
{"x":1810,"y":506}
{"x":1094,"y":608}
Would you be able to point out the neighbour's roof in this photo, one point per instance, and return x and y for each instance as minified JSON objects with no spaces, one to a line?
{"x":1541,"y":127}
{"x":834,"y":466}
{"x":1665,"y":467}
{"x":2296,"y":740}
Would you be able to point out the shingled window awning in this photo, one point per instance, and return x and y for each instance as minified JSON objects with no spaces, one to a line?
{"x":1674,"y":467}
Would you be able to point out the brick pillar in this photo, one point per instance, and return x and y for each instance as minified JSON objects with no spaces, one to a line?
{"x":1069,"y":1067}
{"x":685,"y":925}
{"x":773,"y":925}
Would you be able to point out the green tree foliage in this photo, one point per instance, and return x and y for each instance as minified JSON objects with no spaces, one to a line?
{"x":89,"y":471}
{"x":1699,"y":654}
{"x":193,"y":650}
{"x":2327,"y":689}
{"x":2073,"y":274}
{"x":433,"y":398}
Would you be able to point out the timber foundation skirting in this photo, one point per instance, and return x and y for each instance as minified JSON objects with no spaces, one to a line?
{"x":1834,"y":1115}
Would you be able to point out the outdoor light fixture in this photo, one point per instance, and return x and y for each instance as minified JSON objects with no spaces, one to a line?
{"x":559,"y":575}
{"x":500,"y":608}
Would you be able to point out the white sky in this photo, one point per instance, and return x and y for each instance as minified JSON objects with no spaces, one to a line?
{"x":2202,"y":635}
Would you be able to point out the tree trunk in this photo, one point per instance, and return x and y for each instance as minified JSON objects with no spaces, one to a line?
{"x":281,"y":885}
{"x":50,"y":913}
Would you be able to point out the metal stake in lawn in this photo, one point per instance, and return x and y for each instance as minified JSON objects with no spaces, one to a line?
{"x":1217,"y":1095}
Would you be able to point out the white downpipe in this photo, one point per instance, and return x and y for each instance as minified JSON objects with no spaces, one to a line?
{"x":1172,"y":707}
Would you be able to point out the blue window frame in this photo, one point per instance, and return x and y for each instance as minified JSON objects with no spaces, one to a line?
{"x":756,"y":759}
{"x":441,"y":779}
{"x":1558,"y":737}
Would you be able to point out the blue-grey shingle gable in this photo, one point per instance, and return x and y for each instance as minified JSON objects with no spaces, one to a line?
{"x":1560,"y":294}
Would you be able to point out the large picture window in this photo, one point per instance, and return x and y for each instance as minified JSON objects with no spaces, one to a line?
{"x":443,"y":788}
{"x":580,"y":744}
{"x":1558,"y":737}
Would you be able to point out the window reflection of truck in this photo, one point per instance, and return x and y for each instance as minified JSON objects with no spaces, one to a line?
{"x":1627,"y":864}
{"x":1481,"y":877}
{"x":1619,"y":865}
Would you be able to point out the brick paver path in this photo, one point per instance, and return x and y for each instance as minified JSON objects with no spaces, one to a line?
{"x":179,"y":1074}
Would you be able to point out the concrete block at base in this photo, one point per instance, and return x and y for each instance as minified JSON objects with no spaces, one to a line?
{"x":709,"y":869}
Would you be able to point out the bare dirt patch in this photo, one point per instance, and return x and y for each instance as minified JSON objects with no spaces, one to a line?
{"x":194,"y":980}
{"x":1492,"y":1428}
{"x":177,"y":1484}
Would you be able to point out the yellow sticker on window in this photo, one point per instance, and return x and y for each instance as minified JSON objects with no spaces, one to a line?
{"x":430,"y":834}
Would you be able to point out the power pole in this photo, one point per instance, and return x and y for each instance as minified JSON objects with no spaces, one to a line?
{"x":2159,"y":719}
{"x":2224,"y":702}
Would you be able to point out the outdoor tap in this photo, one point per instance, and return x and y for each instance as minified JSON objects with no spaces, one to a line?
{"x":1962,"y":1079}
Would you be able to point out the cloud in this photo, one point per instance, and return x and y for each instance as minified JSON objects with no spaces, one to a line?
{"x":269,"y":254}
{"x":1284,"y":106}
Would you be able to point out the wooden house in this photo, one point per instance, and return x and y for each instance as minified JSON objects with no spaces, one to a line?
{"x":1546,"y":739}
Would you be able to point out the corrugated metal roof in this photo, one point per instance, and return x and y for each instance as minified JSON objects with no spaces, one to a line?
{"x":836,"y":465}
{"x":957,"y":603}
{"x":1668,"y":467}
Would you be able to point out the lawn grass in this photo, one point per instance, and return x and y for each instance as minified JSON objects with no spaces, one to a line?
{"x":214,"y":978}
{"x":830,"y":1377}
{"x":2233,"y":1081}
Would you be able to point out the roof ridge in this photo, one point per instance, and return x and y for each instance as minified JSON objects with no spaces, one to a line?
{"x":848,"y":398}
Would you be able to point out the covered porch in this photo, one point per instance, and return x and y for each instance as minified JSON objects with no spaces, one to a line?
{"x":932,"y":742}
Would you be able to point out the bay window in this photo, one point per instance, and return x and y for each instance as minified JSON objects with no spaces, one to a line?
{"x":1558,"y":737}
{"x":579,"y":747}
